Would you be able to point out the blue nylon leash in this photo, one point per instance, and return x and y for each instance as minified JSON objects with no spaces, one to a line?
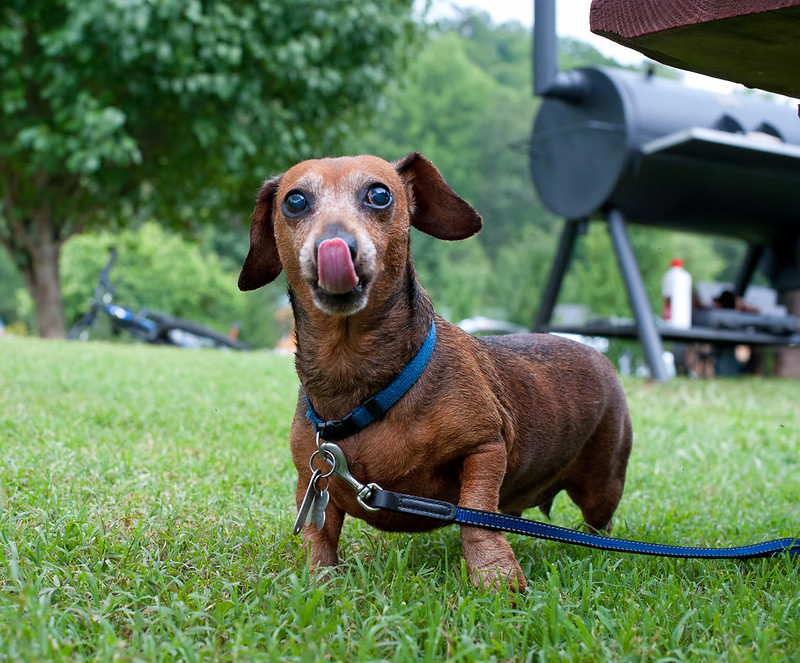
{"x":502,"y":522}
{"x":374,"y":408}
{"x":449,"y":513}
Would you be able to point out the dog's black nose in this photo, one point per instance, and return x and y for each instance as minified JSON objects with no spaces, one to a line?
{"x":335,"y":231}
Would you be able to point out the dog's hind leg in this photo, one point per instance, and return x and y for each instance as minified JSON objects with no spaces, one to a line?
{"x":598,"y":480}
{"x":545,"y":507}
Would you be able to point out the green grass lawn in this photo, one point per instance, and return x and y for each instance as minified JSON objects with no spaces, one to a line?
{"x":146,"y":502}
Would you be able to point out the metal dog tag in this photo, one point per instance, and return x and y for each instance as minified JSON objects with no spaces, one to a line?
{"x":318,"y":508}
{"x":305,"y":512}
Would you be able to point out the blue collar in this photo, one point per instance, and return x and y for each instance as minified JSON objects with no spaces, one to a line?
{"x":374,"y":408}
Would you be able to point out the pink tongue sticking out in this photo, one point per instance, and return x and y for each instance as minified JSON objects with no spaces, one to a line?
{"x":335,"y":266}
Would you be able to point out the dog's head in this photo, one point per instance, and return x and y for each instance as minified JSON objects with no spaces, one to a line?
{"x":339,"y":227}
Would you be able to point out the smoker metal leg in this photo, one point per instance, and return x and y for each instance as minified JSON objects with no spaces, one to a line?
{"x":646,"y":326}
{"x":751,"y":260}
{"x":559,"y":268}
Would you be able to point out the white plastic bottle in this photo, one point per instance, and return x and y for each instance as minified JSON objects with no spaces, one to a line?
{"x":676,"y":288}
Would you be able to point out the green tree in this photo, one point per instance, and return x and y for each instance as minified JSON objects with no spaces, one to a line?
{"x":181,"y":106}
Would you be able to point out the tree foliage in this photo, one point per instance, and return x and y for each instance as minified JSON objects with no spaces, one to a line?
{"x":181,"y":105}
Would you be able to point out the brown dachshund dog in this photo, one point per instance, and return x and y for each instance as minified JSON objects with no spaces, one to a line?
{"x":499,"y":423}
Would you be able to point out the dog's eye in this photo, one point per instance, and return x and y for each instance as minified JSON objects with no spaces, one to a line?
{"x":295,"y":202}
{"x":379,"y":197}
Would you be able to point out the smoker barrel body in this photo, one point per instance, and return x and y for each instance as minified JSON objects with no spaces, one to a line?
{"x":631,"y":148}
{"x":669,"y":156}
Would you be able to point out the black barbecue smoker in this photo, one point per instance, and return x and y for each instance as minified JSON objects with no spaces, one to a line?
{"x":630,"y":148}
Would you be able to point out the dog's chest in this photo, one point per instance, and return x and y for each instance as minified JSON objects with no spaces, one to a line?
{"x":408,"y":474}
{"x":402,"y":461}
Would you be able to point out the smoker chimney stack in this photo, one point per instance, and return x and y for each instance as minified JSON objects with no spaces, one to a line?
{"x":548,"y":81}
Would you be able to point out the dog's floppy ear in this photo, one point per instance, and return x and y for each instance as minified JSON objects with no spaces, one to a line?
{"x":435,"y":208}
{"x":263,"y":264}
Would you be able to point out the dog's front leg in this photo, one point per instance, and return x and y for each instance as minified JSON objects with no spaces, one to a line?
{"x":322,"y":545}
{"x":490,"y":560}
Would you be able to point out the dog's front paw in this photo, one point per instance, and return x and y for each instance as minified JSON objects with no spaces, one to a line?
{"x":321,"y":547}
{"x":497,"y":576}
{"x":490,"y":561}
{"x":322,"y":561}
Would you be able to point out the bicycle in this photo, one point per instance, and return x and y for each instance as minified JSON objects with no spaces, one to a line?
{"x":147,"y":326}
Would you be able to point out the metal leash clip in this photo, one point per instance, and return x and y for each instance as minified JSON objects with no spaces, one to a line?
{"x":363,"y":491}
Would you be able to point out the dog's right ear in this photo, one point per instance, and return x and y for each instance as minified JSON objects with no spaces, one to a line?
{"x":435,"y":208}
{"x":263,"y":264}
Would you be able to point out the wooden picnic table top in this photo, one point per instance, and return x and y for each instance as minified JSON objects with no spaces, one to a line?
{"x":753,"y":42}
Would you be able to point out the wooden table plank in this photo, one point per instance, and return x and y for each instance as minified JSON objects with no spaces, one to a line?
{"x":753,"y":42}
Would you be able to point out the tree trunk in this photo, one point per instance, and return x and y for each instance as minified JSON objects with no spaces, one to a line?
{"x":44,"y":285}
{"x":34,"y":240}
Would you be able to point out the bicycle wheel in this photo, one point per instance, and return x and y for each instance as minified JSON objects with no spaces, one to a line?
{"x":185,"y":334}
{"x":80,"y":330}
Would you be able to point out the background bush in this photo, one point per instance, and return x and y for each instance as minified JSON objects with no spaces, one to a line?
{"x":164,"y":272}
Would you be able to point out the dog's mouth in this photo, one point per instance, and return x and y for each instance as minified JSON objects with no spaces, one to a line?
{"x":338,"y":290}
{"x":336,"y":273}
